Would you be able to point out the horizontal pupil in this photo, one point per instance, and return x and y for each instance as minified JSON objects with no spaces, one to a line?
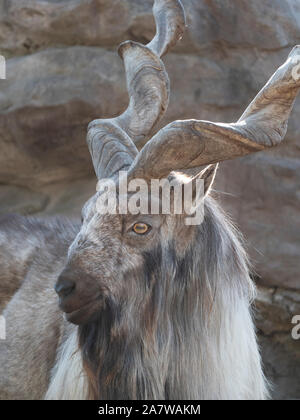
{"x":142,"y":228}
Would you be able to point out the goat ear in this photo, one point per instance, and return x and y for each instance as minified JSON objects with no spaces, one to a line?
{"x":191,"y":143}
{"x":208,"y":175}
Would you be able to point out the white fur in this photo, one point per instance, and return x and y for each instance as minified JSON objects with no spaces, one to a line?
{"x":68,"y":380}
{"x":230,"y":363}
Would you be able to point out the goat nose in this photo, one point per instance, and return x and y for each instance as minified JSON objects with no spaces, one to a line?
{"x":64,"y":287}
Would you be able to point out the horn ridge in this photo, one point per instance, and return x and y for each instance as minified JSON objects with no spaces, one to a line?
{"x":148,"y":89}
{"x":191,"y":143}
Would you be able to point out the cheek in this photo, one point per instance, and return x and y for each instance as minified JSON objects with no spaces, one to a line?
{"x":184,"y":240}
{"x":135,"y":244}
{"x":120,"y":274}
{"x":130,"y":258}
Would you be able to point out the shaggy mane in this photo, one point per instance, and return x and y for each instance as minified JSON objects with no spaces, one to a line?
{"x":195,"y":318}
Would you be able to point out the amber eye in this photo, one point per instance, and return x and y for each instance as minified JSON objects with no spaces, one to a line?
{"x":141,"y":228}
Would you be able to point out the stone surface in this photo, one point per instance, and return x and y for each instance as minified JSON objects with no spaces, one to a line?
{"x":30,"y":25}
{"x":45,"y":105}
{"x":21,"y":200}
{"x":281,"y":352}
{"x":265,"y":201}
{"x":63,"y":71}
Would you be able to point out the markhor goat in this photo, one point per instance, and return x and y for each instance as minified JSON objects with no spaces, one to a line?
{"x":154,"y":309}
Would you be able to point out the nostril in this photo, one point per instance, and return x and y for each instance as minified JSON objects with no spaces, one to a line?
{"x":64,"y":287}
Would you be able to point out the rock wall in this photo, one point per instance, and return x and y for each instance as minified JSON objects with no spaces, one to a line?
{"x":63,"y":71}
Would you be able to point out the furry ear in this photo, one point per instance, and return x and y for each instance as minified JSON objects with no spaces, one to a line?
{"x":195,"y":189}
{"x":208,"y":175}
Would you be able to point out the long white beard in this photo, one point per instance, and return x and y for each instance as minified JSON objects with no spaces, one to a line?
{"x":68,"y":381}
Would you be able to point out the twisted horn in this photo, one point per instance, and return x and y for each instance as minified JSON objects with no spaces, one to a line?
{"x":192,"y":143}
{"x":112,"y":141}
{"x":170,"y":23}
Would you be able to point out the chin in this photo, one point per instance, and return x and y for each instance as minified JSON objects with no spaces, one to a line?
{"x":83,"y":314}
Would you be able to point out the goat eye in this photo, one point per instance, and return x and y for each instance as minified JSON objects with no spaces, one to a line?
{"x":141,"y":228}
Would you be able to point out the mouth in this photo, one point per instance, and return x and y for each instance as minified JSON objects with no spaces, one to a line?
{"x":84,"y":313}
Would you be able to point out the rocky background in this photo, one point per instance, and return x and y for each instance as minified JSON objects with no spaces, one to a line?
{"x":63,"y":71}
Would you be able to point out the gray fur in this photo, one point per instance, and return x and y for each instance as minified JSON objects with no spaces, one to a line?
{"x":175,"y":322}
